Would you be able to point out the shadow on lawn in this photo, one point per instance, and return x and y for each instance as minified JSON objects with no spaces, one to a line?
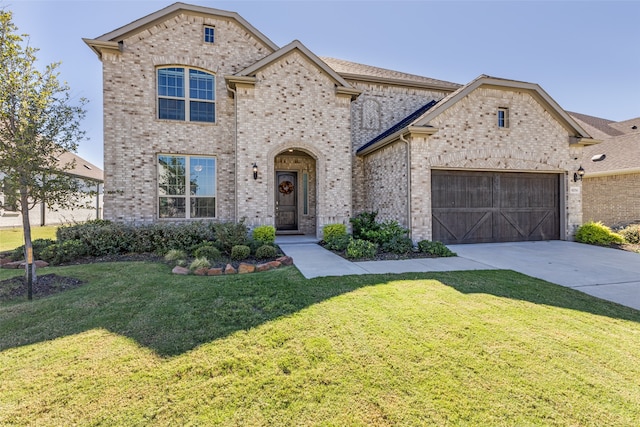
{"x":174,"y":314}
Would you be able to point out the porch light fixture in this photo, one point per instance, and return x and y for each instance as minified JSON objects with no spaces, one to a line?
{"x":255,"y":171}
{"x":577,"y":176}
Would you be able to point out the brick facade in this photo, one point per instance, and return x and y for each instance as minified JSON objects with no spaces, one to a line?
{"x":613,"y":200}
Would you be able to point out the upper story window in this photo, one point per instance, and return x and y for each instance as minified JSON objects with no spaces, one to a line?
{"x":503,"y":117}
{"x":209,"y":34}
{"x":186,"y":94}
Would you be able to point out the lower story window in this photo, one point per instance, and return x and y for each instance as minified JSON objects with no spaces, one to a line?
{"x":186,"y":186}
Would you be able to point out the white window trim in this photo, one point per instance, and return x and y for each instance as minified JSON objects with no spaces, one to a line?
{"x":204,"y":29}
{"x":504,"y":110}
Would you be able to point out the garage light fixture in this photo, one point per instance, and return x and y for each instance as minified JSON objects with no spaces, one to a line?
{"x":577,"y":176}
{"x":255,"y":170}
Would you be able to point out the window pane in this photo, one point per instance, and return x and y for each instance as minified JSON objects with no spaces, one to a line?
{"x":171,"y":175}
{"x":171,"y":82}
{"x":172,"y":207}
{"x":203,"y":207}
{"x":202,"y":111}
{"x":208,"y":34}
{"x":201,"y":85}
{"x":171,"y":109}
{"x":203,"y":176}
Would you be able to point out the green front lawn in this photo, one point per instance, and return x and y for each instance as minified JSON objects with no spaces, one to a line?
{"x":138,"y":346}
{"x":11,"y":238}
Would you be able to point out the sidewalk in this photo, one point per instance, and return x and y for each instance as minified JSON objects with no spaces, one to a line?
{"x":314,"y":261}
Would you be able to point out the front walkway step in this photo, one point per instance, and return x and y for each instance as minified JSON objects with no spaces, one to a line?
{"x":315,"y":261}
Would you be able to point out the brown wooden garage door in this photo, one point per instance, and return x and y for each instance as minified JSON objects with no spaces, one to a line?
{"x":480,"y":207}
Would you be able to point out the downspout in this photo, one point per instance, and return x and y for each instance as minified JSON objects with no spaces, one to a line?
{"x":402,"y":138}
{"x":235,"y":151}
{"x":98,"y":200}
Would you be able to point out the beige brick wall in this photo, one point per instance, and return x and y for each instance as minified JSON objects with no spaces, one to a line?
{"x":468,"y":137}
{"x":377,"y":109}
{"x":133,"y":136}
{"x":614,"y":200}
{"x":294,"y":106}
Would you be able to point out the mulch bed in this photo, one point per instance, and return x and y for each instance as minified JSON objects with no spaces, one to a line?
{"x":47,"y":284}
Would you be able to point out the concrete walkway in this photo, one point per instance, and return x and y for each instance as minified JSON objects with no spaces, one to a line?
{"x":605,"y":273}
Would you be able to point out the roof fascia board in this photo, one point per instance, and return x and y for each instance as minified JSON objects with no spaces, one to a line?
{"x":99,"y":46}
{"x":567,"y":121}
{"x":410,"y":131}
{"x":235,"y":80}
{"x":285,"y":50}
{"x":585,"y":141}
{"x":176,"y":9}
{"x":396,"y":82}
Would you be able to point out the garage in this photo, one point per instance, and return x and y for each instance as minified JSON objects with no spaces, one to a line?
{"x":484,"y":207}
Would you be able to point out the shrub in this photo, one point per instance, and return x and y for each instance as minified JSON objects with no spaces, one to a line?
{"x":359,"y":248}
{"x":199,"y":263}
{"x":435,"y":248}
{"x":66,"y":251}
{"x":398,"y":245}
{"x":387,"y":232}
{"x":266,"y":251}
{"x":631,"y":234}
{"x":230,"y":234}
{"x":596,"y":233}
{"x":239,"y":252}
{"x":363,"y":224}
{"x":38,"y":246}
{"x":337,"y":243}
{"x":175,"y":255}
{"x":264,"y":234}
{"x":208,"y":251}
{"x":333,"y":231}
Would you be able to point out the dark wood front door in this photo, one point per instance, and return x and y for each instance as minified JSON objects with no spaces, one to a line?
{"x":482,"y":207}
{"x":286,"y":200}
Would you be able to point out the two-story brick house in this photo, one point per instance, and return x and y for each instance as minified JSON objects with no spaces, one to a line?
{"x":205,"y":118}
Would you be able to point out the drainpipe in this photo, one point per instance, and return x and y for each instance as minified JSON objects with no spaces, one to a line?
{"x":235,"y":150}
{"x":402,"y":138}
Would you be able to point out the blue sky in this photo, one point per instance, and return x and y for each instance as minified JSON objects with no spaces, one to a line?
{"x":583,"y":53}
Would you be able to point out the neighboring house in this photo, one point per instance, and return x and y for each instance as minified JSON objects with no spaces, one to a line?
{"x":92,"y":180}
{"x":611,"y":184}
{"x":205,"y":118}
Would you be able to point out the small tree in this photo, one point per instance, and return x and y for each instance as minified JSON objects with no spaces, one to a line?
{"x":37,"y":124}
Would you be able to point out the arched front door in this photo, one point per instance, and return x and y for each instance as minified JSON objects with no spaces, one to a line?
{"x":286,"y":200}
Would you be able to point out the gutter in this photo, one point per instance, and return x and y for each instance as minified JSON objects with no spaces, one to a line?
{"x":235,"y":151}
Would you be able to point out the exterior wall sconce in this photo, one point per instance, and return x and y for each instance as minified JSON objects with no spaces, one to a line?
{"x":577,"y":176}
{"x":255,"y":171}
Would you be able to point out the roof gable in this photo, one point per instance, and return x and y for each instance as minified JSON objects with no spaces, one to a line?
{"x":539,"y":94}
{"x":252,"y":70}
{"x":110,"y":40}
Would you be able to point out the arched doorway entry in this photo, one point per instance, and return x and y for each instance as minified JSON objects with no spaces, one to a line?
{"x":295,"y":195}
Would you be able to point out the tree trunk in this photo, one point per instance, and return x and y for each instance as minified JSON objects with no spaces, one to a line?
{"x":30,"y":266}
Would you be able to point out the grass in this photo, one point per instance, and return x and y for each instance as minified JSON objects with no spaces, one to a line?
{"x":138,"y":346}
{"x":11,"y":238}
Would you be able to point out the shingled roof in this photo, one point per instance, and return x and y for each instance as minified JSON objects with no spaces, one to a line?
{"x":354,"y":71}
{"x":597,"y":127}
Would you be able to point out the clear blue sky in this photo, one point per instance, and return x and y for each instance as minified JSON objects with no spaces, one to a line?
{"x":585,"y":54}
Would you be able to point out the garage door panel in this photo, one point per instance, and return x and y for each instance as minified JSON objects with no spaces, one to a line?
{"x":475,"y":207}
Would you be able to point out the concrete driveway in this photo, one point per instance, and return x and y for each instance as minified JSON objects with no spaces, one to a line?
{"x":605,"y":273}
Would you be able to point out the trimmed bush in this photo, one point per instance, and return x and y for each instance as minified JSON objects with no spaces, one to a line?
{"x":333,"y":231}
{"x":364,"y":224}
{"x":596,"y":233}
{"x":240,"y":252}
{"x":631,"y":234}
{"x":66,"y":251}
{"x":359,"y":248}
{"x":230,"y":234}
{"x":398,"y":245}
{"x":337,"y":242}
{"x":264,"y":234}
{"x":38,"y":246}
{"x":199,"y":263}
{"x":435,"y":248}
{"x":208,"y":251}
{"x":266,"y":251}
